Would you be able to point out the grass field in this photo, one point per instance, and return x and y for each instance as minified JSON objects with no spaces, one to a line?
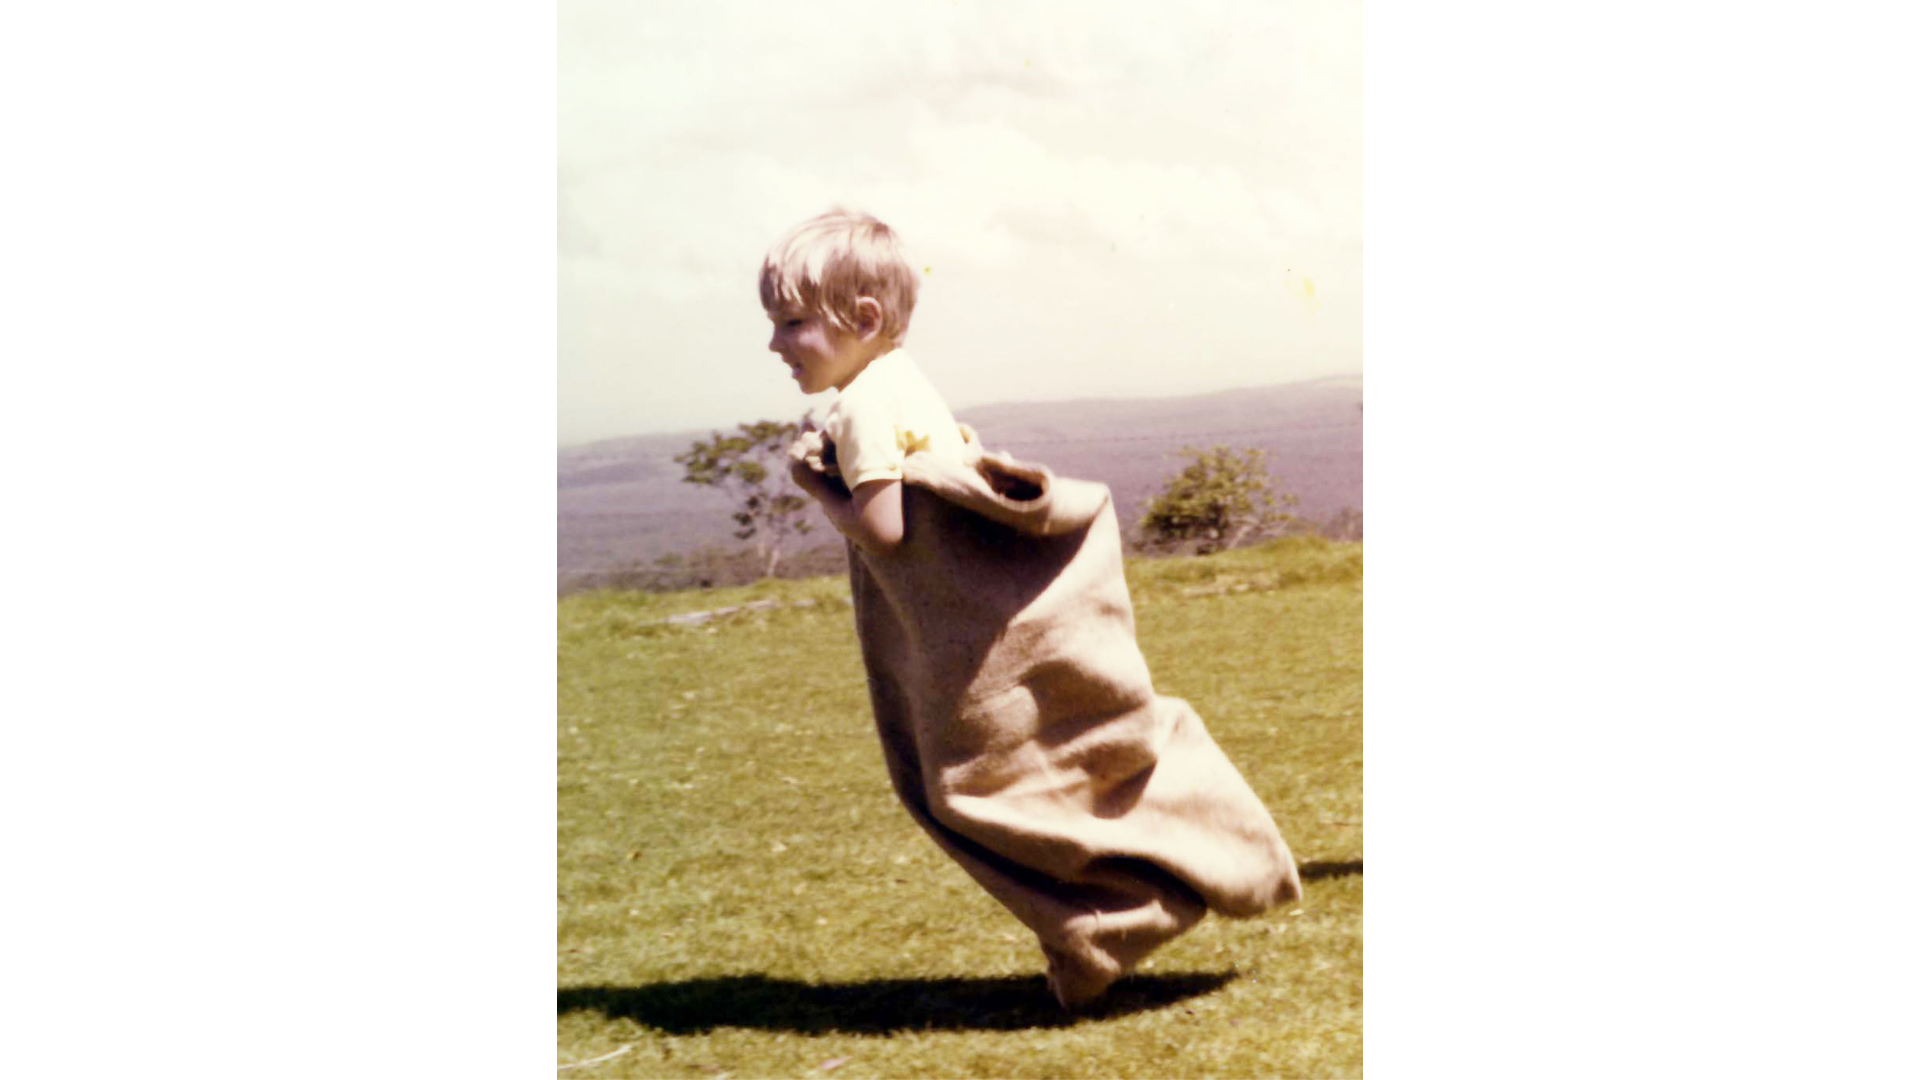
{"x":741,"y":896}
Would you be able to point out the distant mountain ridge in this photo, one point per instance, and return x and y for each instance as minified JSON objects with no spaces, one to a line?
{"x":622,"y":502}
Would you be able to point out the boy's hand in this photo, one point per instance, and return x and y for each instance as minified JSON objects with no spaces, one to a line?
{"x":810,"y":444}
{"x":813,"y":448}
{"x":810,"y":462}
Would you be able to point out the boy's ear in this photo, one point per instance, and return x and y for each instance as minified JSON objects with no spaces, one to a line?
{"x":868,"y":317}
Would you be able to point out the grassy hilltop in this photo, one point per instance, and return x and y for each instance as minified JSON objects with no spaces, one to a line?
{"x":742,"y":896}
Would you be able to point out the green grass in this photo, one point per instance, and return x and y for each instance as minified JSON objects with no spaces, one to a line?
{"x":741,"y":896}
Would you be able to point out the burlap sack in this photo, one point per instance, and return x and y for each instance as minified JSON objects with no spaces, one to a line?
{"x":1022,"y":731}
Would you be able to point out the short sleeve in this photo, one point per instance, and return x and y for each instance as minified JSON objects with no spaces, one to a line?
{"x":866,"y":445}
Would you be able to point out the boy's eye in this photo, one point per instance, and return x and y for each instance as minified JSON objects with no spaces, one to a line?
{"x":794,"y":324}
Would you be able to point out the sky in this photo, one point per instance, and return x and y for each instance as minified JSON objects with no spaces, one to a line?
{"x":1113,"y":200}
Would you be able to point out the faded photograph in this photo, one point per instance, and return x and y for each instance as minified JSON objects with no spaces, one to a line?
{"x":959,"y":540}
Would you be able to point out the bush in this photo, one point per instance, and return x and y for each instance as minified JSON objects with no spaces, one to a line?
{"x":1221,"y":498}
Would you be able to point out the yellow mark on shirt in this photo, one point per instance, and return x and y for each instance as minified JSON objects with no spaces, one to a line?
{"x":911,"y":442}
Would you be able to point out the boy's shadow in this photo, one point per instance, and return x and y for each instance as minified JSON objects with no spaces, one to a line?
{"x":874,"y":1007}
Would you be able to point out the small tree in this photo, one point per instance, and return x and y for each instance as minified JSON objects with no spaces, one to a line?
{"x":1221,"y":496}
{"x":752,"y":468}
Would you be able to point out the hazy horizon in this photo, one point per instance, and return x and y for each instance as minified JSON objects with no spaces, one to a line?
{"x":818,"y":403}
{"x":1106,"y":202}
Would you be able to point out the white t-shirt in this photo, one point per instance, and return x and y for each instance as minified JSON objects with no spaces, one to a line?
{"x":888,"y":411}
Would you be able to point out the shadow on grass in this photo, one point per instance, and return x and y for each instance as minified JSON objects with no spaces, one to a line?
{"x":874,"y":1007}
{"x":1314,"y":871}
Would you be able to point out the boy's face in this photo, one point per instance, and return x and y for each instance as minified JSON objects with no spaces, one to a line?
{"x":820,"y":354}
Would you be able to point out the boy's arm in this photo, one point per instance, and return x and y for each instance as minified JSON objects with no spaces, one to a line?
{"x":871,"y":516}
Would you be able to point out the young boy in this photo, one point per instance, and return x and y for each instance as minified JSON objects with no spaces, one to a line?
{"x":840,"y":295}
{"x":1016,"y":715}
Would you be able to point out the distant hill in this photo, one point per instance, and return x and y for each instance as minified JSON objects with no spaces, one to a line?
{"x":622,"y":502}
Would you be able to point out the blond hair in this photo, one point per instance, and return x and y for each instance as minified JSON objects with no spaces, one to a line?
{"x":827,"y":263}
